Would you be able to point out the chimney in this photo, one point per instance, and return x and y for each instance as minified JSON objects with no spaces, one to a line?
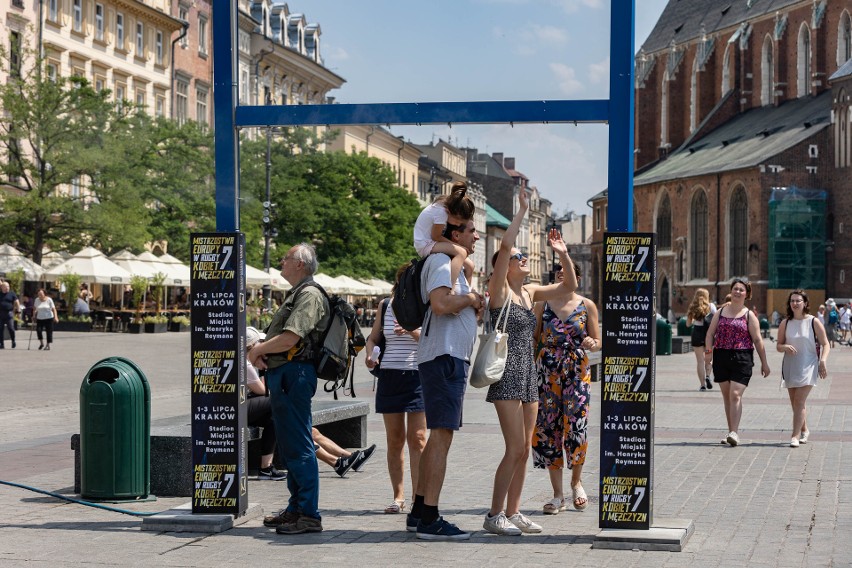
{"x":498,"y":157}
{"x":509,"y":163}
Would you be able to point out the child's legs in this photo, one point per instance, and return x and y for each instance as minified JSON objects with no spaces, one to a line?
{"x":457,"y":256}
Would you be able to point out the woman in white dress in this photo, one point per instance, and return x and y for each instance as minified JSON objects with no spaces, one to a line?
{"x":804,"y":343}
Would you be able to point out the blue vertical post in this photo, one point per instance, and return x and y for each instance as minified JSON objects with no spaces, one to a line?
{"x":621,"y":103}
{"x":224,"y":100}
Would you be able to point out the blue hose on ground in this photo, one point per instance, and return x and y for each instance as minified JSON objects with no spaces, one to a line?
{"x":78,"y":501}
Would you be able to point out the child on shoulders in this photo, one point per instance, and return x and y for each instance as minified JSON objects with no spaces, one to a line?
{"x":432,"y":221}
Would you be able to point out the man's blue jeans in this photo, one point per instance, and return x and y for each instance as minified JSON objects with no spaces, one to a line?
{"x":291,"y":388}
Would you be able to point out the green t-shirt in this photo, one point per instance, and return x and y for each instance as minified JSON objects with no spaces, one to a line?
{"x":304,"y":312}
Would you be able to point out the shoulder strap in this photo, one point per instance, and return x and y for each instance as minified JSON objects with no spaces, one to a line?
{"x":383,"y":307}
{"x":507,"y":307}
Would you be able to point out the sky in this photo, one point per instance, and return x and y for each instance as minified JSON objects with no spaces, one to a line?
{"x":485,"y":50}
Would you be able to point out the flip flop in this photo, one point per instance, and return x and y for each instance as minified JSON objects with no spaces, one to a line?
{"x":553,"y":506}
{"x":580,"y":493}
{"x":395,"y":507}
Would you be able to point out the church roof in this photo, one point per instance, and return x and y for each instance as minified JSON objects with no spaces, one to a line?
{"x":682,"y":20}
{"x":747,"y":140}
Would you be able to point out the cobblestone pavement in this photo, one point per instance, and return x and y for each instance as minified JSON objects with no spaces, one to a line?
{"x":759,"y":504}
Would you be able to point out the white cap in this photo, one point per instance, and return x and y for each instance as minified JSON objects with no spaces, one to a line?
{"x":253,"y":336}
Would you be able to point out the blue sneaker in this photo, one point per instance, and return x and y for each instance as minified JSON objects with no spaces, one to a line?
{"x":441,"y":530}
{"x":411,"y":523}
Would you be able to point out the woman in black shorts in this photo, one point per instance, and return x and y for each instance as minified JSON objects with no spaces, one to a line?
{"x":698,"y":316}
{"x":734,"y":334}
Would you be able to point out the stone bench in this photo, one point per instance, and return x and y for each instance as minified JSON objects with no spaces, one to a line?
{"x":343,"y":421}
{"x":681,"y":345}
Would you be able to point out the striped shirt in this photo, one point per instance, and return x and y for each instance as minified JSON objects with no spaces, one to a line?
{"x":400,"y":350}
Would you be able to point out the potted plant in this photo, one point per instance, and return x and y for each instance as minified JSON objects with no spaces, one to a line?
{"x":138,"y":286}
{"x":71,"y":281}
{"x":73,"y":323}
{"x":155,"y":324}
{"x":179,"y":323}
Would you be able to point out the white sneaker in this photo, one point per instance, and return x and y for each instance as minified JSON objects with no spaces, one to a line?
{"x":733,"y":439}
{"x":524,"y":523}
{"x":803,"y":439}
{"x":794,"y":442}
{"x":499,"y":524}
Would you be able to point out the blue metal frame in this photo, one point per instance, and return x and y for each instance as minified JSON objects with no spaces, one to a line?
{"x":617,"y":111}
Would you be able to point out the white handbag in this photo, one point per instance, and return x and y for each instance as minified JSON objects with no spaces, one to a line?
{"x":493,"y":347}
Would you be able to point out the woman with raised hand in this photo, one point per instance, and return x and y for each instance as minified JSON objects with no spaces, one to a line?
{"x":698,"y":316}
{"x":515,"y":396}
{"x":569,"y":331}
{"x":798,"y":336}
{"x":733,"y":336}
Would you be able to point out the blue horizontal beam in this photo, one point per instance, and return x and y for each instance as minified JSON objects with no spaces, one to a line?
{"x":515,"y":112}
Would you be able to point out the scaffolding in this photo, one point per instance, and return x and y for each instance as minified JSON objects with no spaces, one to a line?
{"x":797,"y":234}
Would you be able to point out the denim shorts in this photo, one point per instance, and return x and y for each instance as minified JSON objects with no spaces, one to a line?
{"x":398,"y":391}
{"x":444,"y":381}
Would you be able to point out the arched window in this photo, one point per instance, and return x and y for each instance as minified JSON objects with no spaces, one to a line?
{"x":804,"y":61}
{"x":727,"y":84}
{"x":664,"y":223}
{"x":693,"y":96}
{"x":844,"y":39}
{"x":698,"y":236}
{"x":738,"y":231}
{"x":665,"y":298}
{"x":841,"y":131}
{"x":767,"y":73}
{"x":664,"y":110}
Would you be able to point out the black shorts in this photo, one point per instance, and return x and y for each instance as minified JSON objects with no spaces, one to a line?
{"x":732,"y":365}
{"x":699,"y":333}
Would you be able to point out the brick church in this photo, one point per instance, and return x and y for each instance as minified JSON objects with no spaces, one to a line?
{"x":743,"y":150}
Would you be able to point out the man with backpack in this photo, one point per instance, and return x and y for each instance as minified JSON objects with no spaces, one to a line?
{"x":443,"y":358}
{"x":288,"y":354}
{"x":832,"y":318}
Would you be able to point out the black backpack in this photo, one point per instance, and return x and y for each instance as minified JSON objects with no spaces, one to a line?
{"x":409,"y":309}
{"x":334,"y":355}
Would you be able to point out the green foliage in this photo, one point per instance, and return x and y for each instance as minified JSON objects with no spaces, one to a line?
{"x":72,"y":282}
{"x":348,"y":206}
{"x":16,"y":280}
{"x":181,"y":320}
{"x":77,"y":319}
{"x":155,"y":319}
{"x":158,"y":287}
{"x":138,"y":285}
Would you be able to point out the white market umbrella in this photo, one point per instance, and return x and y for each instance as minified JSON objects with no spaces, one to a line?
{"x":128,"y":261}
{"x":156,"y":266}
{"x":11,"y":260}
{"x":331,"y":285}
{"x":257,"y":278}
{"x":384,"y":288}
{"x":92,"y":266}
{"x":356,"y":288}
{"x":53,"y":258}
{"x":177,"y":272}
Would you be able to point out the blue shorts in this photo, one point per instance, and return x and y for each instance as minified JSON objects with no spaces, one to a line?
{"x":444,"y":381}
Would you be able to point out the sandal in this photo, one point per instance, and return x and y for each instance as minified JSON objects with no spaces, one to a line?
{"x":580,"y":495}
{"x":395,"y":507}
{"x":553,"y":506}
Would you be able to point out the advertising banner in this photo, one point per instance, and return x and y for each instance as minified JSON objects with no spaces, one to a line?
{"x":627,"y":390}
{"x":218,"y":380}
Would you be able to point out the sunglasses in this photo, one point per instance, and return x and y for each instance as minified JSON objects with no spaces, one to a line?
{"x":518,"y":256}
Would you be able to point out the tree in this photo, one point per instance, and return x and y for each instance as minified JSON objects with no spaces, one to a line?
{"x":55,"y":135}
{"x":348,"y":206}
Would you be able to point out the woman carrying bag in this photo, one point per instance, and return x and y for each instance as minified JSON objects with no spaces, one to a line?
{"x":399,"y":397}
{"x":515,"y":396}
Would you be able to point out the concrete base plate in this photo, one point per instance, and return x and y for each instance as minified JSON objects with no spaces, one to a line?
{"x":181,"y":519}
{"x":665,"y":534}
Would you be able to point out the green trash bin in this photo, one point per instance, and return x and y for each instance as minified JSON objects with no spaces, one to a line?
{"x":683,"y":329}
{"x":664,"y":337}
{"x":764,"y":327}
{"x":115,"y":432}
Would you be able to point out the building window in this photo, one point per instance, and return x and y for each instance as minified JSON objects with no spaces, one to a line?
{"x":201,"y":106}
{"x":119,"y":31}
{"x":140,"y":39}
{"x":52,"y":70}
{"x":844,"y":39}
{"x":15,"y":54}
{"x":181,"y":101}
{"x":77,"y":14}
{"x":767,"y":72}
{"x":140,"y":99}
{"x":75,"y":186}
{"x":664,"y":111}
{"x":597,"y":218}
{"x":698,"y":237}
{"x":100,"y":83}
{"x":183,"y":14}
{"x":693,"y":96}
{"x":159,"y":47}
{"x":99,"y":22}
{"x":244,"y":86}
{"x":804,"y":61}
{"x":664,"y":224}
{"x":53,"y":10}
{"x":738,"y":231}
{"x":161,"y":106}
{"x":726,"y":71}
{"x":202,"y":35}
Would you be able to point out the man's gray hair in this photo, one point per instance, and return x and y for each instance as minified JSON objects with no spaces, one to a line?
{"x":307,"y":254}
